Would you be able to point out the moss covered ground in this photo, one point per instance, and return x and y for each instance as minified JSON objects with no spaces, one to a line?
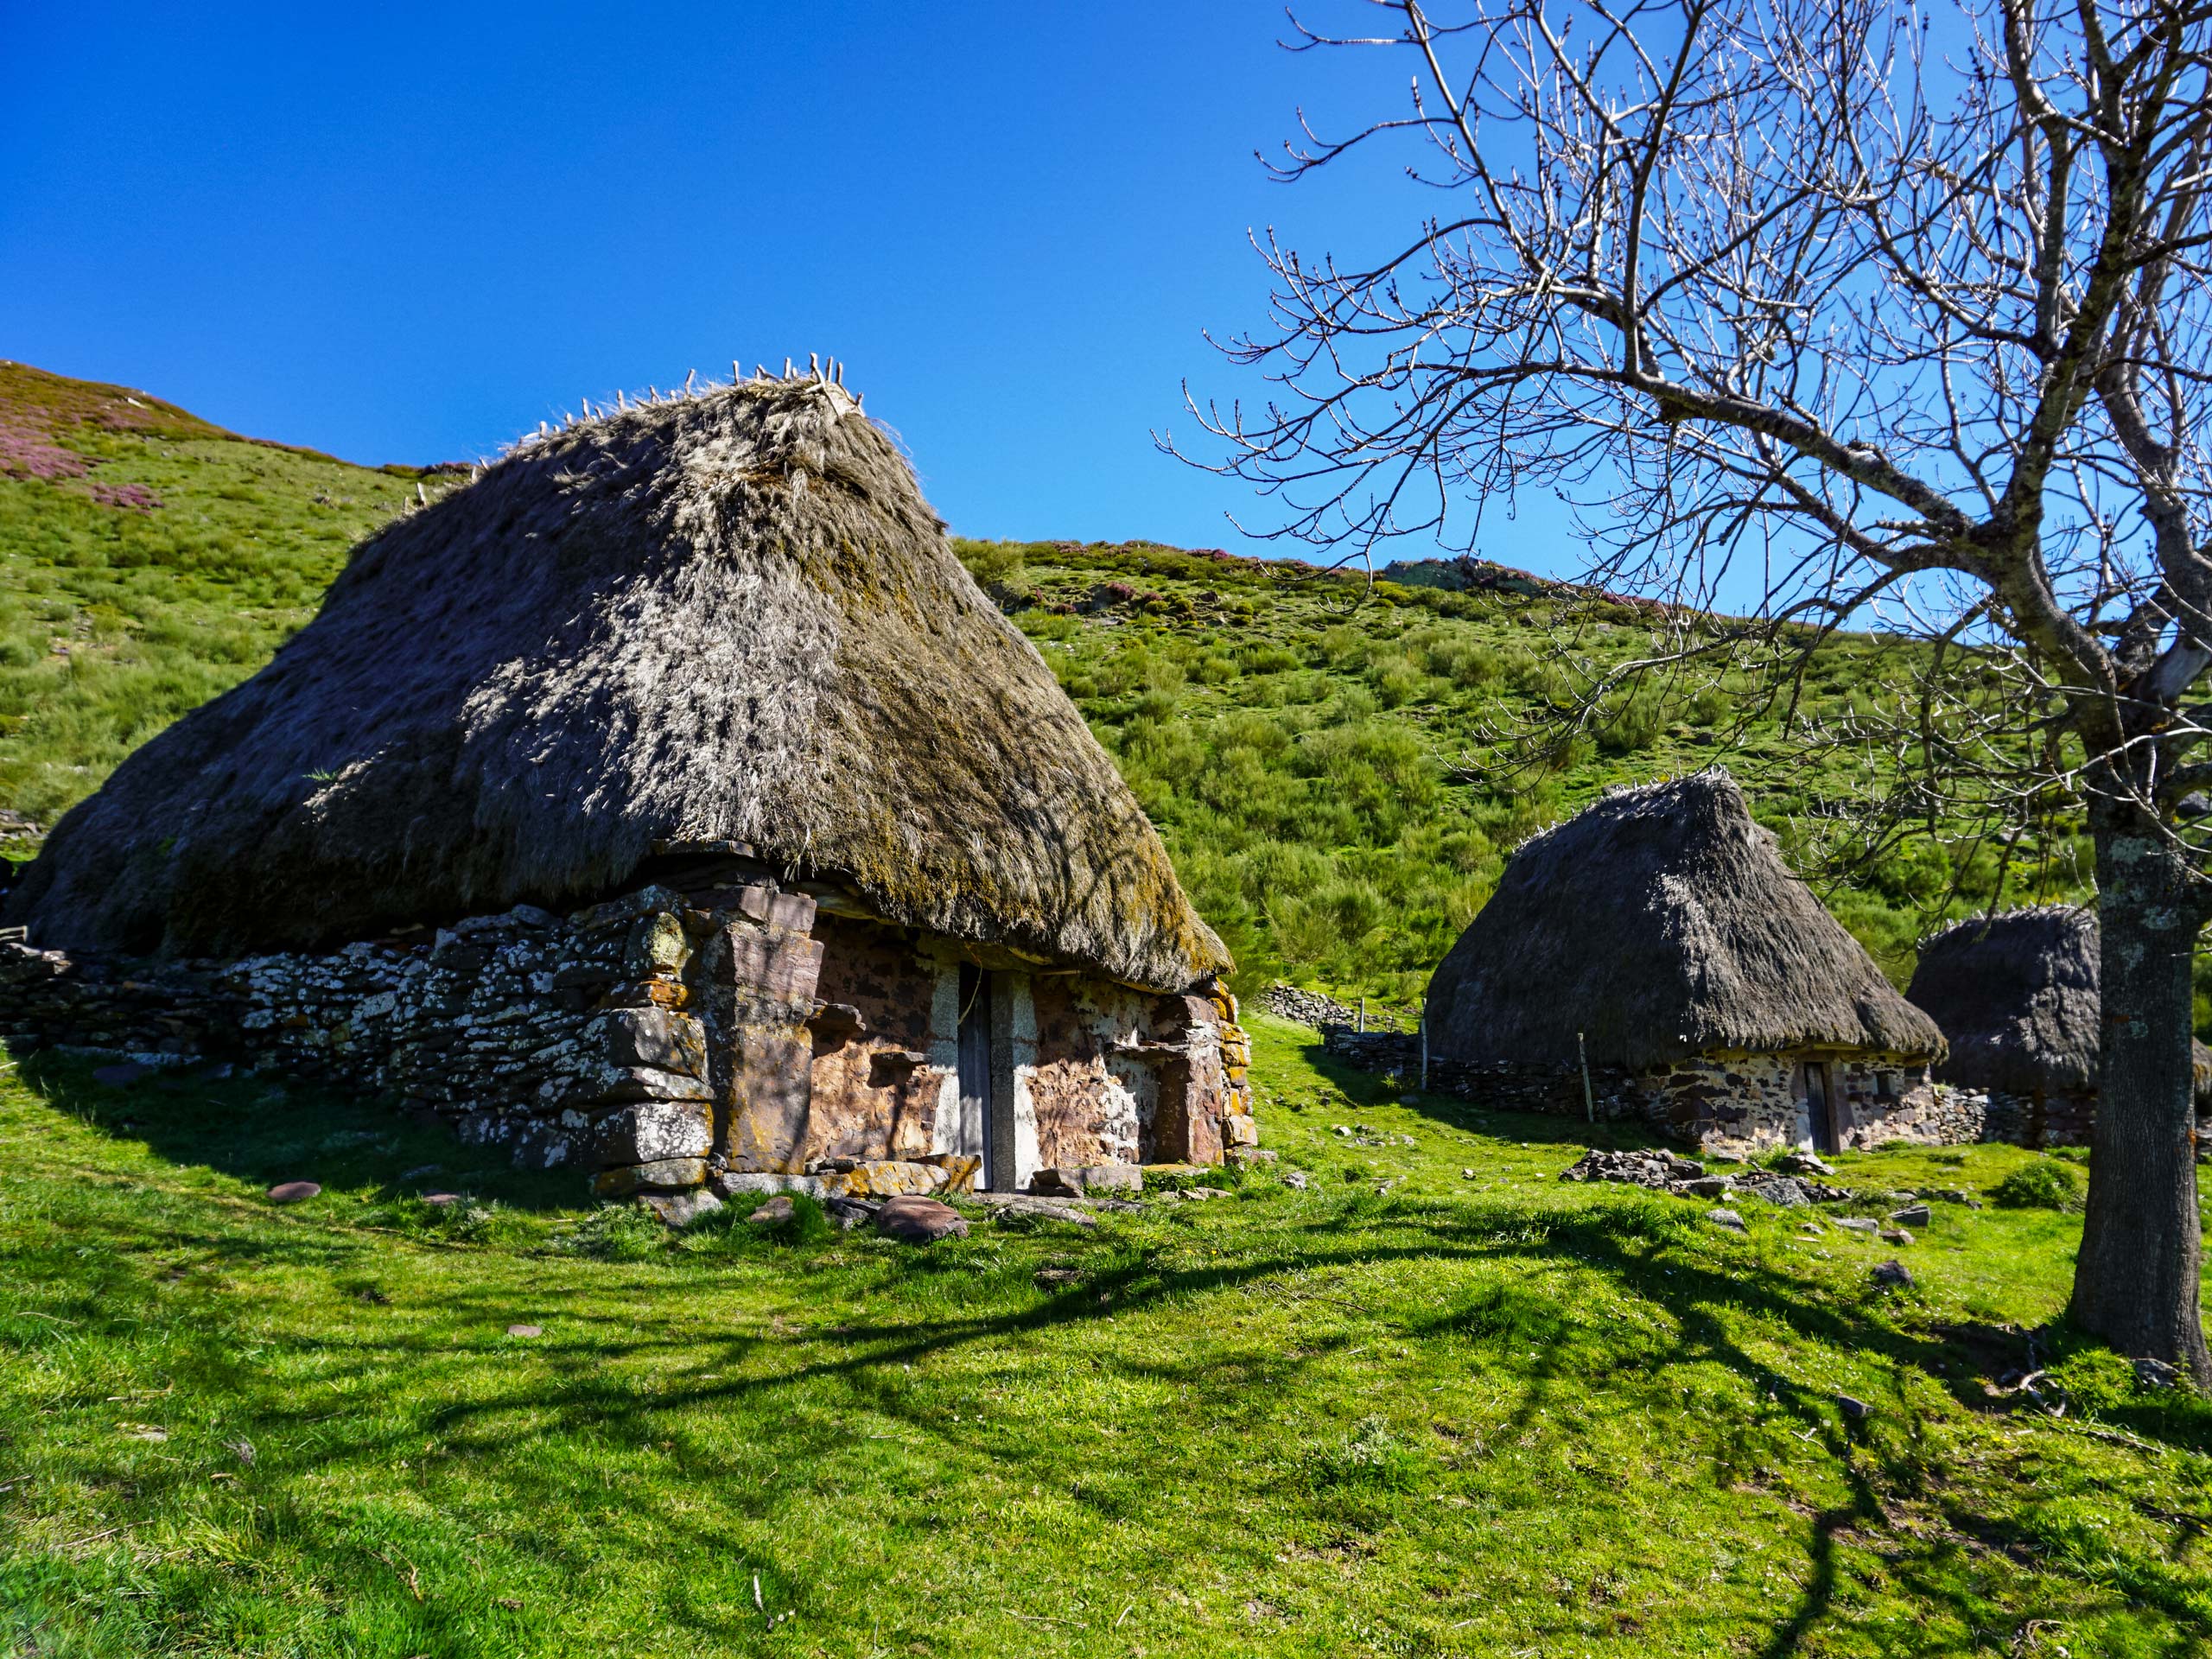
{"x":1487,"y":1416}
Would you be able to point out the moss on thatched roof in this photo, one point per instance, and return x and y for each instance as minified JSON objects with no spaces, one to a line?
{"x":729,"y":617}
{"x":1660,"y":923}
{"x":2017,"y":996}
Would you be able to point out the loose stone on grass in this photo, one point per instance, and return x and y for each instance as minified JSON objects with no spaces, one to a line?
{"x":1913,"y":1215}
{"x":1803,"y":1163}
{"x":1727,"y":1218}
{"x":921,"y":1221}
{"x":1786,"y":1190}
{"x":293,"y":1192}
{"x":774,"y":1211}
{"x":1651,"y":1167}
{"x":2156,"y":1373}
{"x":1953,"y":1195}
{"x":1892,"y":1273}
{"x":682,"y":1209}
{"x":525,"y":1330}
{"x":1068,"y":1209}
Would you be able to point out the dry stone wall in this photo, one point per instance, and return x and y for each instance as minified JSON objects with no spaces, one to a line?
{"x":1732,"y":1104}
{"x":563,"y":1041}
{"x":677,"y":1036}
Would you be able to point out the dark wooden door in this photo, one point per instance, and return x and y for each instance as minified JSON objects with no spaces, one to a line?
{"x":1820,"y":1106}
{"x":976,"y":1071}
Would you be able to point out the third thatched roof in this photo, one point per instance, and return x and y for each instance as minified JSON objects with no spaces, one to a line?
{"x":1661,"y":922}
{"x":730,"y":618}
{"x":2016,"y":994}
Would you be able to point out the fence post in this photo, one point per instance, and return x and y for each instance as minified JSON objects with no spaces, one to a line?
{"x":1422,"y":1026}
{"x":1589,"y":1100}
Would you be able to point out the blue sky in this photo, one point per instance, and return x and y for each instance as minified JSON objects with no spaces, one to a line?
{"x":408,"y":233}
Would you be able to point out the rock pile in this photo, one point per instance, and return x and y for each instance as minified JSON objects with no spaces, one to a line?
{"x":1306,"y":1007}
{"x":1670,"y":1171}
{"x":1660,"y":1170}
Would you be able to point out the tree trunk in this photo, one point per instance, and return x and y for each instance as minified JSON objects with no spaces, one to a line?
{"x":2135,"y":1282}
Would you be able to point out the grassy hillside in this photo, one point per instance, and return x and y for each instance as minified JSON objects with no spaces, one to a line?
{"x":149,"y":561}
{"x":1307,"y":760}
{"x":1302,"y":756}
{"x":1399,"y":1413}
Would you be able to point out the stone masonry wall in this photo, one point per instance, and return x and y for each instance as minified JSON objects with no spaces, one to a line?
{"x":668,"y":1037}
{"x":1735,"y":1103}
{"x":563,"y":1040}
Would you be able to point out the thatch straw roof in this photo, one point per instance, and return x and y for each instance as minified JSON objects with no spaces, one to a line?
{"x":2016,"y":995}
{"x":1660,"y":923}
{"x":723,"y":618}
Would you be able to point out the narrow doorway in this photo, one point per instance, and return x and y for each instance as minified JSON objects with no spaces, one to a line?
{"x":975,"y":1072}
{"x":1820,"y":1107}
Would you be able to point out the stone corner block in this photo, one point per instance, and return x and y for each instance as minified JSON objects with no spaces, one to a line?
{"x":662,"y":1174}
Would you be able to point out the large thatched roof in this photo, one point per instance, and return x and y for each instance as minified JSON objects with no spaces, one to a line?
{"x":1660,"y":923}
{"x":730,"y":617}
{"x":2016,"y":995}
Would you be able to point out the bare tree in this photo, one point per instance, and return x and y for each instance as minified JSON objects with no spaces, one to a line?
{"x":1887,"y":311}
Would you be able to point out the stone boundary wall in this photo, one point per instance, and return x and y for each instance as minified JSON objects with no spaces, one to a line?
{"x":563,"y":1040}
{"x":654,"y":1042}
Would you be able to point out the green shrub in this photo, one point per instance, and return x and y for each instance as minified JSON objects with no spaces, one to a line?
{"x":1630,"y":723}
{"x":2043,"y":1185}
{"x":990,"y":562}
{"x":1045,"y":625}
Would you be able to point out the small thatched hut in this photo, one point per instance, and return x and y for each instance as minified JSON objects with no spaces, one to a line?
{"x":703,"y":677}
{"x":2016,"y":996}
{"x":1654,"y":956}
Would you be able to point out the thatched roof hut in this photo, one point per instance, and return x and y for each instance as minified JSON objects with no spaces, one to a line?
{"x":730,"y":618}
{"x":1659,"y":924}
{"x":2017,"y":996}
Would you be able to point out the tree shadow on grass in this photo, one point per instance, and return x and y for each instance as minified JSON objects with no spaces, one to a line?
{"x":626,"y":1366}
{"x":262,"y":1132}
{"x":867,"y":1360}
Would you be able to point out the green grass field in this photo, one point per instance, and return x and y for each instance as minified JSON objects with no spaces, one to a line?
{"x":1496,"y":1416}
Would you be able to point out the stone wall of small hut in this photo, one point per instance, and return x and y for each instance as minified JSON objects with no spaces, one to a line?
{"x":1728,"y":1103}
{"x":657,"y":1043}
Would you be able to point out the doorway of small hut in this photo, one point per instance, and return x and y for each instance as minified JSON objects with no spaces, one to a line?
{"x":975,"y":1137}
{"x":1820,"y":1107}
